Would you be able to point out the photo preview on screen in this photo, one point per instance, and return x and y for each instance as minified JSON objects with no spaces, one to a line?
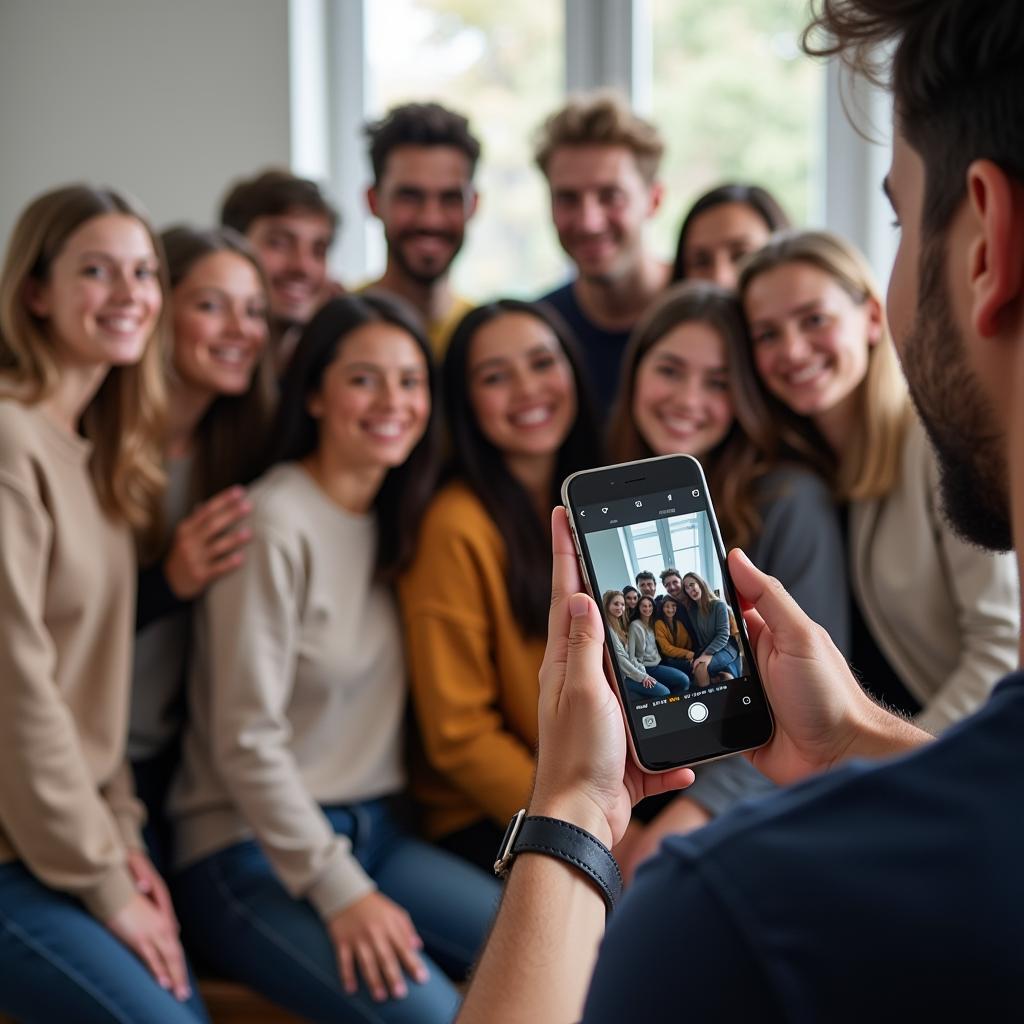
{"x":663,"y":544}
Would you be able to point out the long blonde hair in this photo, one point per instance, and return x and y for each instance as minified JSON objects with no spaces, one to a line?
{"x":124,"y":421}
{"x":620,"y":624}
{"x":870,"y":468}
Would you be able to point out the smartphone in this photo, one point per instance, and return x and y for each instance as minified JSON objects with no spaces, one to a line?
{"x":640,"y":519}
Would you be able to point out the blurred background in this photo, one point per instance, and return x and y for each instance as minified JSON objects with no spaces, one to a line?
{"x":172,"y":101}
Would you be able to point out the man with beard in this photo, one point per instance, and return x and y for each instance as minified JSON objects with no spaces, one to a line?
{"x":423,"y":157}
{"x":291,"y":224}
{"x":601,"y":164}
{"x":887,"y":889}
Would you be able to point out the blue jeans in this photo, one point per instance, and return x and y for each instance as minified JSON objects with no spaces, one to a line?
{"x":58,"y":963}
{"x":242,"y":922}
{"x":638,"y":688}
{"x":726,"y":660}
{"x":671,"y":676}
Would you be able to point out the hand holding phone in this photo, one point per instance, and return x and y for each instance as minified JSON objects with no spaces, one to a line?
{"x":649,"y":520}
{"x":584,"y":774}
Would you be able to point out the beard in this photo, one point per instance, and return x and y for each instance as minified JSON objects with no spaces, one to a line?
{"x":956,"y":414}
{"x":424,"y":272}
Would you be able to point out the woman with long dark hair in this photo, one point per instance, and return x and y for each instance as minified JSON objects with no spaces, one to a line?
{"x":297,"y":876}
{"x":220,"y":383}
{"x":715,"y":654}
{"x":722,"y":227}
{"x":88,"y":931}
{"x":475,"y":600}
{"x":688,"y":387}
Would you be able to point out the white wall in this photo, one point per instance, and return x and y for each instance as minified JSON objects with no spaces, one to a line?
{"x":166,"y":99}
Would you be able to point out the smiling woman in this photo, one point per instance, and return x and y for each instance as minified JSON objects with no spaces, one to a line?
{"x":475,"y":600}
{"x":293,"y":758}
{"x":688,"y":386}
{"x":81,"y":398}
{"x":220,"y":384}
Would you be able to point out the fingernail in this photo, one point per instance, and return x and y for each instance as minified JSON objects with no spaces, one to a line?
{"x":578,"y":605}
{"x":743,"y":556}
{"x":400,"y":992}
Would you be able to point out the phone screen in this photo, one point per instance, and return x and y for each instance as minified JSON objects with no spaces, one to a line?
{"x":680,"y":653}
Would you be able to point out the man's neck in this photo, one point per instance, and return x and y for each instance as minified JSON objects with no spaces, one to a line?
{"x":434,"y":301}
{"x":1015,"y":464}
{"x":617,"y":303}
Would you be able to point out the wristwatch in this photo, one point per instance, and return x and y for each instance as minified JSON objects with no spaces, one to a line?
{"x":568,"y":842}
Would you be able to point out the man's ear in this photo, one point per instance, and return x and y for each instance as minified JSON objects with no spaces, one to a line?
{"x":371,"y":200}
{"x":996,"y":257}
{"x":474,"y":202}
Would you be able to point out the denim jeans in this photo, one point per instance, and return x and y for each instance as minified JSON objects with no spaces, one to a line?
{"x":58,"y":963}
{"x":242,"y":922}
{"x":638,"y":688}
{"x":674,"y":678}
{"x":726,"y":660}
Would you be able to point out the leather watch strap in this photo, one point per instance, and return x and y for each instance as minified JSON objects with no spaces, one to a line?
{"x":567,"y":842}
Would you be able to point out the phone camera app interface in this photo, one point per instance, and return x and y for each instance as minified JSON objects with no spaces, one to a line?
{"x":675,"y":639}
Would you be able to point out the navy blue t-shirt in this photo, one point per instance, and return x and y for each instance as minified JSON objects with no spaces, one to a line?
{"x":602,"y":350}
{"x":889,"y":891}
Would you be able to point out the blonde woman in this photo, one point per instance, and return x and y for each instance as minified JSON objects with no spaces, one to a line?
{"x":635,"y":674}
{"x":89,"y":934}
{"x":935,"y":619}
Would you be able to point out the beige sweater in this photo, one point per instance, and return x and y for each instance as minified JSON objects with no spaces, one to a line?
{"x":297,"y":694}
{"x":67,"y":592}
{"x":945,"y":614}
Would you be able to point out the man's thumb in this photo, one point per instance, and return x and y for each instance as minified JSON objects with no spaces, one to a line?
{"x":586,"y":638}
{"x":781,"y":614}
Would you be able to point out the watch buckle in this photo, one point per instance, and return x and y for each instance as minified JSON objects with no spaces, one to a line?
{"x":505,"y":851}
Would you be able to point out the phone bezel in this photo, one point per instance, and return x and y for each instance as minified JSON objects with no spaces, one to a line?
{"x":624,"y":480}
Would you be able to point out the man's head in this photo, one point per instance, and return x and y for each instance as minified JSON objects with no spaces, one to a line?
{"x":601,"y":162}
{"x":956,"y":296}
{"x":291,"y":225}
{"x":646,"y":583}
{"x":424,"y":157}
{"x":672,"y":582}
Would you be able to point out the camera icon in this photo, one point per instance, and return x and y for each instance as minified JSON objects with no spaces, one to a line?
{"x":649,"y":721}
{"x":696,"y":492}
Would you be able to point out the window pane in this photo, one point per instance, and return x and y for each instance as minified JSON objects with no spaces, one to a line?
{"x":736,"y":100}
{"x":502,"y":66}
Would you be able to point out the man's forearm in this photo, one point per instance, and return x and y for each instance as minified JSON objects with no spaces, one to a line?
{"x":884,"y":734}
{"x":541,"y":953}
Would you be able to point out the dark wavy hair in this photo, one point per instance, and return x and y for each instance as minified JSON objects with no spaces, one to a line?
{"x":760,"y":200}
{"x":481,"y":465}
{"x":403,"y":497}
{"x":230,"y":438}
{"x":956,"y":69}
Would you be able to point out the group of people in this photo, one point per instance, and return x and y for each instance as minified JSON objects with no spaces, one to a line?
{"x":667,"y":643}
{"x":330,"y":502}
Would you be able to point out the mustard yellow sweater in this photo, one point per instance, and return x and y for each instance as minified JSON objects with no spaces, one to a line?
{"x":473,"y":673}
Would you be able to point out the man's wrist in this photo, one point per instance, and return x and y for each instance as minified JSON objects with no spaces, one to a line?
{"x":576,"y":809}
{"x":880,"y":733}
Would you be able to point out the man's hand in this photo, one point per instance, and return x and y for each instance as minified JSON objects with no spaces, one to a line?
{"x":583,"y":773}
{"x":822,"y":715}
